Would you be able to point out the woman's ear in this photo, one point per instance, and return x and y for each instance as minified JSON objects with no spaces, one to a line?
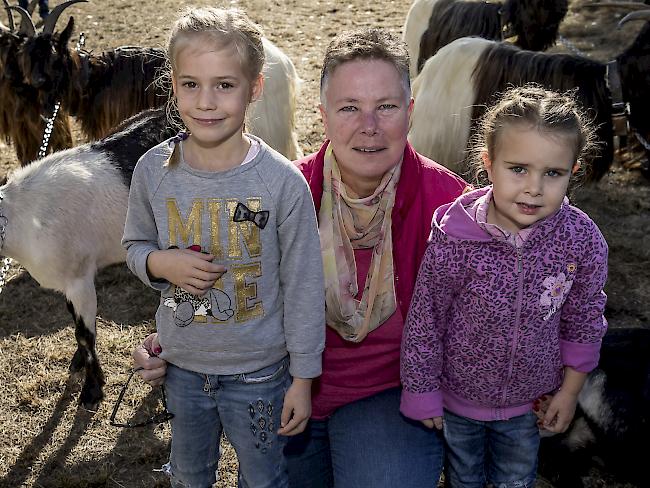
{"x":487,"y":164}
{"x":576,"y":167}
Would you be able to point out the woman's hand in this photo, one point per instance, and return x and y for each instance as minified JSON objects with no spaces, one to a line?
{"x":297,"y":407}
{"x":146,"y":356}
{"x":433,"y":422}
{"x":193,"y":271}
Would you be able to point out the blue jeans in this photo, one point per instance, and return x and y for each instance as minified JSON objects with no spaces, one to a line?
{"x":247,"y":407}
{"x":367,"y":443}
{"x":500,"y":452}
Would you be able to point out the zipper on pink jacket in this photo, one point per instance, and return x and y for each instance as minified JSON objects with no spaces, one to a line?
{"x":515,"y":339}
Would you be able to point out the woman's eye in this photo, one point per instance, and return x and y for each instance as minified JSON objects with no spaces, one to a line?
{"x":517,"y":169}
{"x":189,"y":84}
{"x":387,"y":106}
{"x":348,"y":108}
{"x":553,"y":173}
{"x":224,"y":85}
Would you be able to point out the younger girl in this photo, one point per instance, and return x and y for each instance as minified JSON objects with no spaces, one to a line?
{"x":215,"y":200}
{"x":508,"y":304}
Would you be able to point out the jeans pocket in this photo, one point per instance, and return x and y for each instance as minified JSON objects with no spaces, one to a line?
{"x":267,"y":374}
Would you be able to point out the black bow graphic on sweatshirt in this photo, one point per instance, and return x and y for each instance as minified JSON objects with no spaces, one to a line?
{"x":243,"y":213}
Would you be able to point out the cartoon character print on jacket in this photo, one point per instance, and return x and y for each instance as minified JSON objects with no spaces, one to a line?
{"x":216,"y":303}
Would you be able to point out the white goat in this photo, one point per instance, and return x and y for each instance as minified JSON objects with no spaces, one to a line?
{"x":417,"y":23}
{"x":272,"y":117}
{"x":444,"y":97}
{"x":64,"y":219}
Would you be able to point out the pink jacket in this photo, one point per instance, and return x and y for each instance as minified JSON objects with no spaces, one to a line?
{"x":491,"y":325}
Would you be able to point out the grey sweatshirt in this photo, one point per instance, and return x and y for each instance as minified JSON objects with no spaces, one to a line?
{"x":258,"y":219}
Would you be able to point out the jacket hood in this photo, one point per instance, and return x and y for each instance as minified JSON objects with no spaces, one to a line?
{"x":457,"y":220}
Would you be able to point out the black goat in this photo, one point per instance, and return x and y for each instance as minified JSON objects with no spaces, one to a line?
{"x":432,"y":24}
{"x":64,"y":220}
{"x":100,"y":90}
{"x":612,"y":422}
{"x":21,"y":115}
{"x":457,"y":84}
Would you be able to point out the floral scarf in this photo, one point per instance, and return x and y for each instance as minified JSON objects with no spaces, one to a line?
{"x":347,"y":222}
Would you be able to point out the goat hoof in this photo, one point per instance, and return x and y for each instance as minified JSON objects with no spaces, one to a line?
{"x":91,"y":397}
{"x":77,"y":363}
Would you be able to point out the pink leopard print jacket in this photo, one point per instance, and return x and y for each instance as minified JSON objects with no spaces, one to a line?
{"x":491,"y":326}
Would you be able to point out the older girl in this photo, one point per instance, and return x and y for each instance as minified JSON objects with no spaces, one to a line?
{"x":509,"y":299}
{"x":233,"y":341}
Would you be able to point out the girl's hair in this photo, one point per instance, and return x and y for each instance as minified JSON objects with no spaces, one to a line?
{"x":221,"y":26}
{"x":555,"y":114}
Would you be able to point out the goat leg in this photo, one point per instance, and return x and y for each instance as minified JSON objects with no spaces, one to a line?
{"x":85,"y":333}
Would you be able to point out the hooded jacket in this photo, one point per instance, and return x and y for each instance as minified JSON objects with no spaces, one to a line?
{"x":491,"y":325}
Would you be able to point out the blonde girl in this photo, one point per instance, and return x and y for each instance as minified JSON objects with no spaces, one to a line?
{"x":224,"y":227}
{"x":509,"y":299}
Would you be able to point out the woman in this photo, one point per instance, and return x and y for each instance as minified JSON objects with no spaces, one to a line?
{"x":375,"y":197}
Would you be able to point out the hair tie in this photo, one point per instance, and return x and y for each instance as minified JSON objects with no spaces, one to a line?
{"x":181,"y":136}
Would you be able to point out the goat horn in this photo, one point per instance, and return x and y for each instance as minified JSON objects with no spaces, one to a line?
{"x":50,"y":20}
{"x":10,"y":15}
{"x":26,"y":24}
{"x":638,"y":15}
{"x":627,"y":5}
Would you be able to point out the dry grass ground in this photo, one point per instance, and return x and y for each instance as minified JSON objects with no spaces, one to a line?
{"x":47,"y":441}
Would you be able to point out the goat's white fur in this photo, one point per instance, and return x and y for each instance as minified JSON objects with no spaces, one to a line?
{"x":272,"y":117}
{"x":444,"y":94}
{"x":65,"y":218}
{"x":417,"y":23}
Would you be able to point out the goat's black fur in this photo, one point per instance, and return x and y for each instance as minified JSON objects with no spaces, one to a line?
{"x":150,"y":127}
{"x":534,"y":22}
{"x":101,"y":90}
{"x":612,"y":423}
{"x":503,"y":65}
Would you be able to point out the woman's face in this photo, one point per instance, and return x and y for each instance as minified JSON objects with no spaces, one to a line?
{"x":366,"y":116}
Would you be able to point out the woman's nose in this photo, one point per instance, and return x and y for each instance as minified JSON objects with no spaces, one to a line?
{"x":369,"y":123}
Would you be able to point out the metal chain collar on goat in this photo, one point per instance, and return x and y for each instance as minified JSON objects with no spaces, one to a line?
{"x":49,"y":126}
{"x":620,"y":109}
{"x":571,"y":46}
{"x":6,"y":262}
{"x":47,"y":133}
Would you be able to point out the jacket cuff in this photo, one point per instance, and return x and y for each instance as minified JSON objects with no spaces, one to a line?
{"x":421,"y":406}
{"x":305,"y":365}
{"x":580,"y":356}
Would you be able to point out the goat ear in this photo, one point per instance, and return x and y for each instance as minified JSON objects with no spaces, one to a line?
{"x":66,"y":34}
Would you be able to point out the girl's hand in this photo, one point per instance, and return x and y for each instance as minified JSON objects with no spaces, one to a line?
{"x":559,"y":412}
{"x":146,"y":356}
{"x":193,"y":271}
{"x":433,"y":422}
{"x":297,"y":407}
